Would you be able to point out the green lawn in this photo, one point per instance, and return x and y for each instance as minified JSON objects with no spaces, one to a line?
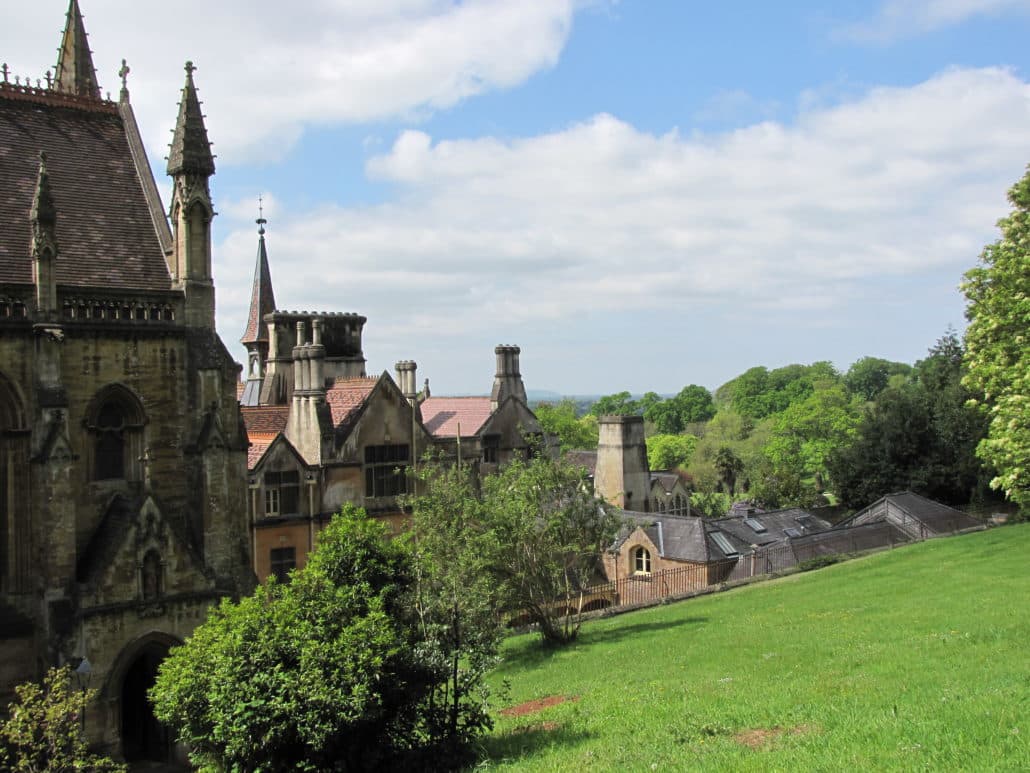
{"x":913,"y":659}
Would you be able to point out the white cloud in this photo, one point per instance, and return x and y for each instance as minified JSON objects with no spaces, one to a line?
{"x":326,"y":62}
{"x":484,"y":233}
{"x":906,"y":18}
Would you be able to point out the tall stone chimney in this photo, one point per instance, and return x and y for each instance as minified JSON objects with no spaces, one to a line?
{"x":622,"y":476}
{"x":406,"y":370}
{"x":307,"y":422}
{"x":508,"y":379}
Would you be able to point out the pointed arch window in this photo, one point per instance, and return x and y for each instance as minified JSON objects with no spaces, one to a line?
{"x":115,"y":420}
{"x":641,"y":560}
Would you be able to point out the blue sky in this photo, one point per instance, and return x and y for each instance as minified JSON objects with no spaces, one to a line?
{"x":642,"y":194}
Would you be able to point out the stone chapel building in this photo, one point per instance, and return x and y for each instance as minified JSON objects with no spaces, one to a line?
{"x":123,"y":457}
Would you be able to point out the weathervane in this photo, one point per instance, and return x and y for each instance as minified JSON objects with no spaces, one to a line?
{"x":261,"y":216}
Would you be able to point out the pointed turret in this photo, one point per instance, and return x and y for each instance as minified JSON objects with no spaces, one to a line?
{"x":43,"y":216}
{"x":190,"y":151}
{"x":190,"y":164}
{"x":262,"y":298}
{"x":75,"y":73}
{"x":255,"y":337}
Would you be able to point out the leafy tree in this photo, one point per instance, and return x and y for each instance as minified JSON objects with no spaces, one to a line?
{"x":759,"y":392}
{"x":729,"y":466}
{"x":710,"y":504}
{"x":692,"y":404}
{"x":803,"y":437}
{"x":998,"y":346}
{"x":455,"y":599}
{"x":322,"y":673}
{"x":43,"y":729}
{"x":869,"y":376}
{"x":695,"y":403}
{"x":666,"y":452}
{"x":573,"y":432}
{"x":920,"y":436}
{"x":549,"y":529}
{"x":648,"y":401}
{"x":618,"y":404}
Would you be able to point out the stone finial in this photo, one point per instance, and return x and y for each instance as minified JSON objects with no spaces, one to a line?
{"x":75,"y":73}
{"x":123,"y":73}
{"x":43,"y":211}
{"x":190,"y":150}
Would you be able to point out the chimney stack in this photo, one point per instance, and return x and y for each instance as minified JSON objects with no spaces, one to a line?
{"x":406,"y":370}
{"x":508,"y":379}
{"x":622,"y":476}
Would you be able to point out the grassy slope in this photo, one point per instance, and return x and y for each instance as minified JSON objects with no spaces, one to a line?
{"x":906,"y":660}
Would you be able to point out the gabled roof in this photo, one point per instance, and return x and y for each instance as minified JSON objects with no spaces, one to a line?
{"x":346,"y":396}
{"x":934,"y":516}
{"x":260,"y":442}
{"x":261,"y":445}
{"x":679,"y":538}
{"x":104,"y":227}
{"x":442,"y":415}
{"x":667,"y":480}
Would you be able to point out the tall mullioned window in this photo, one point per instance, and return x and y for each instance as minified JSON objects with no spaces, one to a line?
{"x":282,"y":493}
{"x":385,"y":473}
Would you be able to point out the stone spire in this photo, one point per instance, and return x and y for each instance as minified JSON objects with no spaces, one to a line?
{"x":75,"y":72}
{"x":190,"y":164}
{"x":190,"y":151}
{"x":43,"y":217}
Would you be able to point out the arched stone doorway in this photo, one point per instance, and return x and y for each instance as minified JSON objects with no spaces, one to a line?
{"x":142,"y":736}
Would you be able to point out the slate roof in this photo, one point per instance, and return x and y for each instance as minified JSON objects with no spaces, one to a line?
{"x":587,"y":459}
{"x":104,"y":227}
{"x":442,"y":415}
{"x":775,"y":524}
{"x":262,"y":299}
{"x":666,"y":479}
{"x":682,"y":538}
{"x":936,"y":517}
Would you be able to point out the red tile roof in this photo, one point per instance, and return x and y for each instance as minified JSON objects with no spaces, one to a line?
{"x":105,"y":233}
{"x":442,"y":415}
{"x":259,"y":443}
{"x":346,"y":396}
{"x":263,"y":419}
